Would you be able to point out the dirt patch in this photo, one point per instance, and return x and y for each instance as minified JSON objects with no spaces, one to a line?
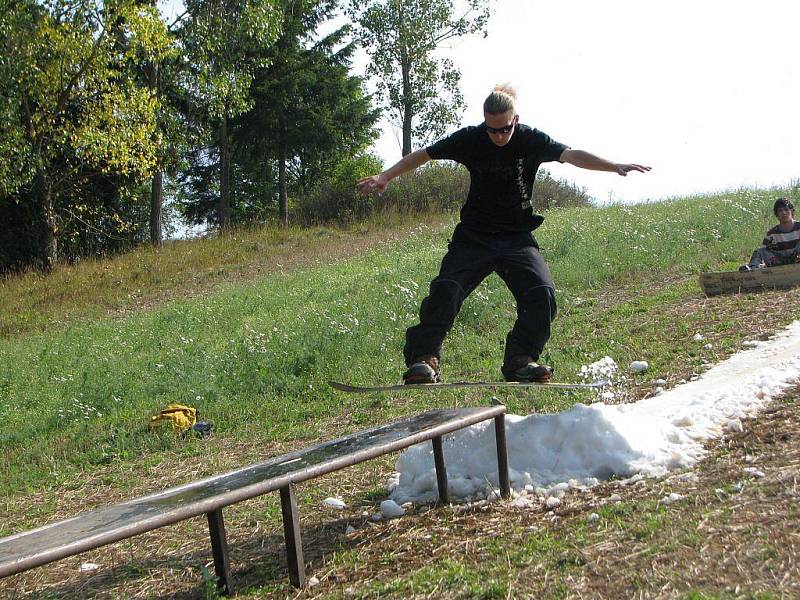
{"x":734,"y":532}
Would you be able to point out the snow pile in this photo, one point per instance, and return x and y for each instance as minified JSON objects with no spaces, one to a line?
{"x":549,"y":453}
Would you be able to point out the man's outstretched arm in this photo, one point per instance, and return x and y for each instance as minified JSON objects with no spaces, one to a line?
{"x":587,"y":160}
{"x":377,"y":183}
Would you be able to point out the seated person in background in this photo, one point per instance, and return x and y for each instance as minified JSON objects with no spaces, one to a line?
{"x":781,"y":246}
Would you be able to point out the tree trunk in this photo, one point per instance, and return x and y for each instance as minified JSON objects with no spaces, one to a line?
{"x":408,"y":111}
{"x":45,"y":222}
{"x":156,"y":201}
{"x":225,"y":175}
{"x":157,"y":185}
{"x":283,"y":197}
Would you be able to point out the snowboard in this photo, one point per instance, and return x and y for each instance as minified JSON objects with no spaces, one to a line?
{"x":357,"y":389}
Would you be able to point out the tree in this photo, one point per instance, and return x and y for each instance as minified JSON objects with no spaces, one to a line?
{"x":69,"y":107}
{"x":308,"y":112}
{"x":226,"y":42}
{"x":308,"y":107}
{"x":420,"y":92}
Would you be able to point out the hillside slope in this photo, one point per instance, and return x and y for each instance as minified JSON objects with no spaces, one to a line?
{"x":253,"y":354}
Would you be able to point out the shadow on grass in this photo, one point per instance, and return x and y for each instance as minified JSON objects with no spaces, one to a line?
{"x":256,"y":563}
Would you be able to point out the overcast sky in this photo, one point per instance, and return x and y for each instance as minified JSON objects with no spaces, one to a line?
{"x":704,"y":91}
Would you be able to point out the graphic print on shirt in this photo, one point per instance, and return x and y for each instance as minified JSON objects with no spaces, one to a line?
{"x":524,"y":192}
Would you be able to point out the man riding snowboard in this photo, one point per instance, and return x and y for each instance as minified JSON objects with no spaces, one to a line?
{"x":494,"y":235}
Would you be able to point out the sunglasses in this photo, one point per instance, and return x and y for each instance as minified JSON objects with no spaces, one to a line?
{"x":505,"y":129}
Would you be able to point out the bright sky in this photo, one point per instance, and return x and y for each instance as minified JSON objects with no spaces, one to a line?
{"x":705,"y":92}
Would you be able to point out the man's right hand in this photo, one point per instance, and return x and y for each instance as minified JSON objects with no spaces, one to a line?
{"x":374,"y":184}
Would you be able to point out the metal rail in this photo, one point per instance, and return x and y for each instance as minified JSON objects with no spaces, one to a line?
{"x":106,"y":525}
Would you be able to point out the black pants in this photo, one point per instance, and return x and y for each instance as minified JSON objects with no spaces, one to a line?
{"x":470,"y":258}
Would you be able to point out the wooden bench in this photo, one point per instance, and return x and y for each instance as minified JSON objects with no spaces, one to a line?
{"x":102,"y":526}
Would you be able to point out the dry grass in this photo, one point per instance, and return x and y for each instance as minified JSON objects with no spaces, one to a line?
{"x":149,"y":277}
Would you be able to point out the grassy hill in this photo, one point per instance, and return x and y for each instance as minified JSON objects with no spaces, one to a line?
{"x":250,"y":326}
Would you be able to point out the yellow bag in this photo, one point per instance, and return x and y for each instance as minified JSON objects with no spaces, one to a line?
{"x":179,"y":416}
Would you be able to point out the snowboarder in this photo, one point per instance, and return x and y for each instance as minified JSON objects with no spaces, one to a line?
{"x":494,"y":235}
{"x":781,"y":245}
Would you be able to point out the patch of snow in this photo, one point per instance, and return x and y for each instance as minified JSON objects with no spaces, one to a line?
{"x":334,"y":503}
{"x":754,"y":472}
{"x":673,"y":497}
{"x":391,"y":509}
{"x":735,"y":425}
{"x":552,"y":501}
{"x":587,"y":444}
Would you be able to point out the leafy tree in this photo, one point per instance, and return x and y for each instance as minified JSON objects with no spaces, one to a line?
{"x":308,"y":114}
{"x":420,"y":92}
{"x":69,"y":108}
{"x":309,"y":109}
{"x":226,"y":41}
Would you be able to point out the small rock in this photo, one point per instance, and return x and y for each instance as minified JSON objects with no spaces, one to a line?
{"x":350,"y":530}
{"x":658,"y":391}
{"x":312,"y":581}
{"x":593,"y":518}
{"x":698,"y":337}
{"x":639,"y":366}
{"x":88,"y":567}
{"x":708,"y":346}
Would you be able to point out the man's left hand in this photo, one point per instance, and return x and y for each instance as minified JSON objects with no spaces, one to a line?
{"x":624,"y":169}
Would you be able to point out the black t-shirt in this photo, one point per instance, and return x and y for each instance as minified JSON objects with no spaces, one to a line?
{"x":501,"y":177}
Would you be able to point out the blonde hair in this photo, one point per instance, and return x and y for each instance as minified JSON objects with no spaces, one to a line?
{"x":501,"y":100}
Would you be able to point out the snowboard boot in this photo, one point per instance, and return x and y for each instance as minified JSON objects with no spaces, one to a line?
{"x":424,"y":369}
{"x":524,"y":369}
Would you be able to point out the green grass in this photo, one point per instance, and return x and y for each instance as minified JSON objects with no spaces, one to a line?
{"x":250,"y":327}
{"x":254,"y":356}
